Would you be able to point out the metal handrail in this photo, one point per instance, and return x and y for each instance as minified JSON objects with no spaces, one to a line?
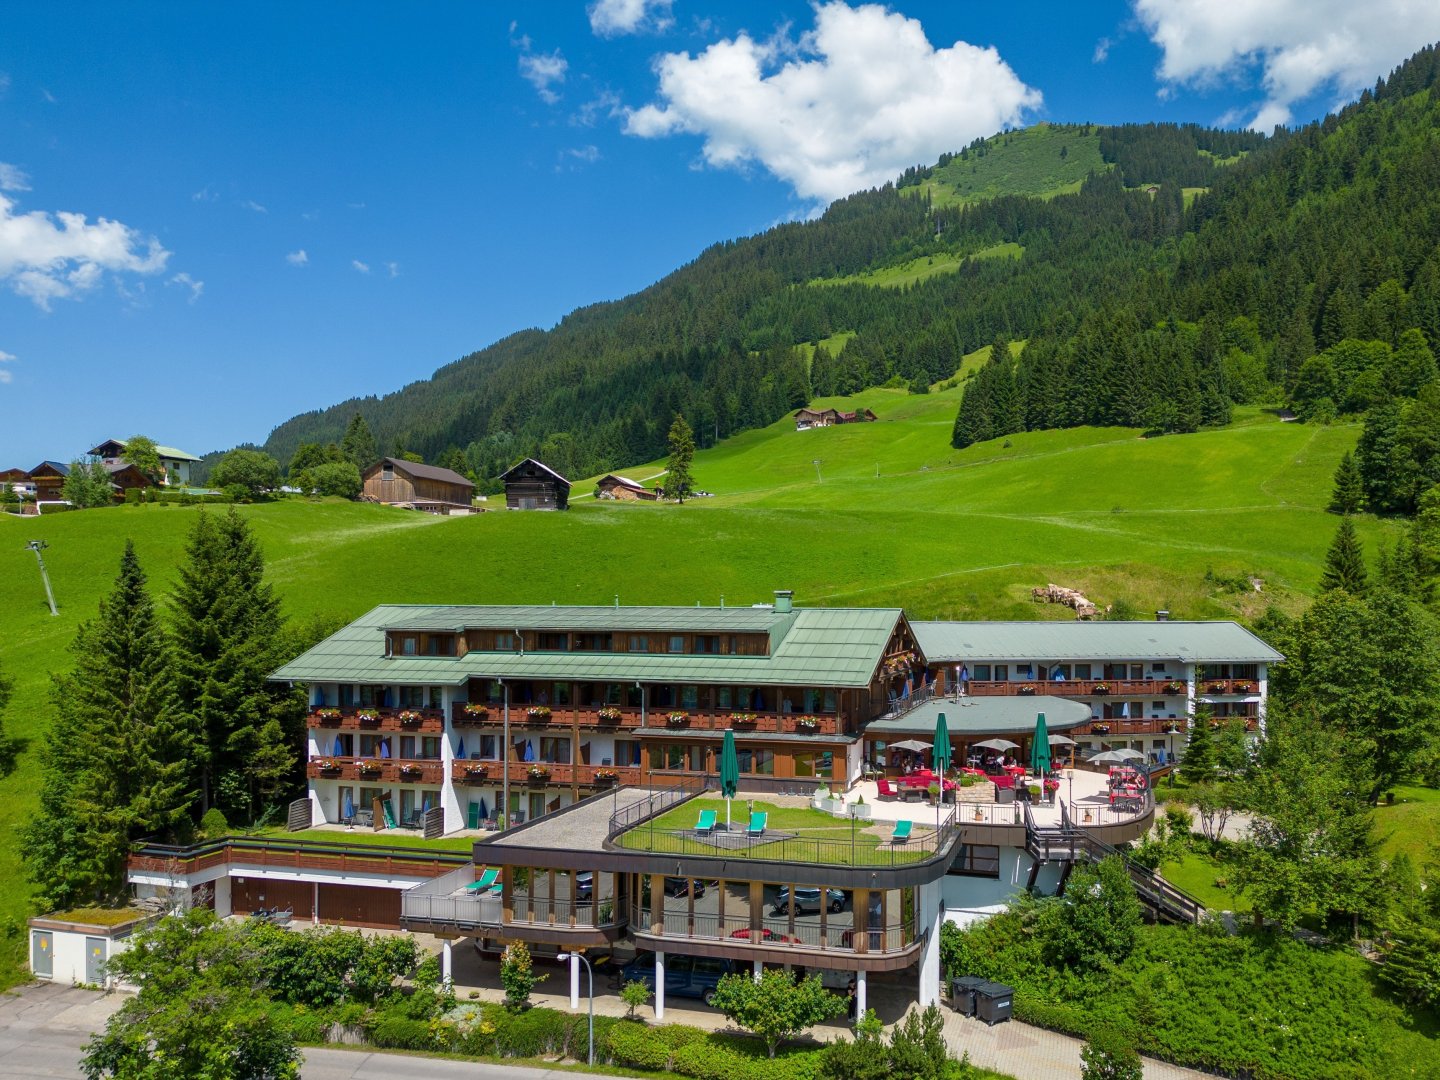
{"x":316,"y":847}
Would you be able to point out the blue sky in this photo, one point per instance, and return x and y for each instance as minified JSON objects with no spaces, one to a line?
{"x":212,"y":218}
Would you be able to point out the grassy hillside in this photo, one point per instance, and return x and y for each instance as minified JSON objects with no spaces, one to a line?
{"x":1026,"y":162}
{"x":914,"y":271}
{"x":898,"y":518}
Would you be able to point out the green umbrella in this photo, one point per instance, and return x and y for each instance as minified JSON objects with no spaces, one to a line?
{"x":1040,"y":747}
{"x":940,"y":755}
{"x":729,"y":773}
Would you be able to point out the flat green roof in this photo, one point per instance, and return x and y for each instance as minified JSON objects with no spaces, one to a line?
{"x":729,"y":620}
{"x":820,"y":647}
{"x":1191,"y":642}
{"x":983,"y":716}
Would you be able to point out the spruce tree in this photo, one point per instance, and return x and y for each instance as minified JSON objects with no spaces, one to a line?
{"x":1349,"y":494}
{"x":678,"y":480}
{"x":227,"y":622}
{"x":358,"y":445}
{"x":1345,"y":561}
{"x":117,"y":760}
{"x":1197,"y":764}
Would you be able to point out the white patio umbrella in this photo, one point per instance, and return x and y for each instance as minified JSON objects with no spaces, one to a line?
{"x":998,"y":744}
{"x":1129,"y":755}
{"x":910,"y":744}
{"x":1109,"y":757}
{"x":1061,"y":740}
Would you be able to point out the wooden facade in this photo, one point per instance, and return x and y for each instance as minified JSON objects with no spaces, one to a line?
{"x":623,"y":489}
{"x":808,"y":418}
{"x":394,"y":481}
{"x":533,"y":485}
{"x":49,"y":478}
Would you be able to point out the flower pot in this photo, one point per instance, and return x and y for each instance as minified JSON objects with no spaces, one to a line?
{"x":863,"y":811}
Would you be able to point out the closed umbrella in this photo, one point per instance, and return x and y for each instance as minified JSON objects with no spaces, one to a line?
{"x":729,"y":773}
{"x":384,"y":749}
{"x":940,"y":752}
{"x":349,"y":812}
{"x":484,"y":810}
{"x":339,"y":746}
{"x":1040,"y":747}
{"x":460,"y":750}
{"x":529,"y":750}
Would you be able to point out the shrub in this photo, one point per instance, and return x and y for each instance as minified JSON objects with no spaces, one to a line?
{"x":1108,"y":1055}
{"x":776,"y":1006}
{"x":213,"y":823}
{"x":642,"y":1047}
{"x":538,"y":1033}
{"x":400,"y":1033}
{"x":634,"y":994}
{"x":517,"y":975}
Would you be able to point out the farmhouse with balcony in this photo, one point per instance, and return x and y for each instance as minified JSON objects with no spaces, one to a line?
{"x":397,"y":482}
{"x":533,"y":485}
{"x":808,"y":418}
{"x":581,"y":746}
{"x":174,"y":464}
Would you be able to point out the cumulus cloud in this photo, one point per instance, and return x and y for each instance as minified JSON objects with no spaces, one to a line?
{"x":544,"y":71}
{"x":363,"y":268}
{"x":611,"y":18}
{"x":185,"y":281}
{"x":49,"y":257}
{"x":297,"y":258}
{"x":845,"y":106}
{"x":5,"y":374}
{"x":1298,"y":47}
{"x":13,"y":178}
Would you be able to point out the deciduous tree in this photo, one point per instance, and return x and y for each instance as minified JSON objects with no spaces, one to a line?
{"x":88,"y":485}
{"x":141,"y":451}
{"x":776,"y":1006}
{"x":254,"y":470}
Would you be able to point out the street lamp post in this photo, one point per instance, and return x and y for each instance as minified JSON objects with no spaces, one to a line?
{"x":38,"y":546}
{"x":590,"y":974}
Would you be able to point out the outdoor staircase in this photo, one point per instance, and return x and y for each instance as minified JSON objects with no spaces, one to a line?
{"x":1067,"y":843}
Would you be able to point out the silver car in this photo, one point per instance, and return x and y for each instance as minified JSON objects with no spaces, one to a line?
{"x":808,"y":899}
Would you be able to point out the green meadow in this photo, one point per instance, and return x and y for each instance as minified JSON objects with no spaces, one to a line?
{"x":895,"y":517}
{"x":918,"y":270}
{"x":1029,"y":162}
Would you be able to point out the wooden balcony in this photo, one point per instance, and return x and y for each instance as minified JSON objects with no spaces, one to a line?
{"x":1222,"y":687}
{"x":624,"y":718}
{"x":411,"y":721}
{"x":377,"y":770}
{"x":751,"y":723}
{"x":1132,"y":726}
{"x":556,"y":775}
{"x":599,"y":717}
{"x":1151,"y":688}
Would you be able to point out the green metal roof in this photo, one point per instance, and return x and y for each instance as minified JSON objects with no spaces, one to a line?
{"x":982,"y":716}
{"x":730,"y":620}
{"x":821,"y":647}
{"x":1191,"y":642}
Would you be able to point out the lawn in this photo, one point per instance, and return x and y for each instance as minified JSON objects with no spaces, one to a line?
{"x":367,"y":838}
{"x":812,"y":836}
{"x":1411,"y":825}
{"x":1197,"y":875}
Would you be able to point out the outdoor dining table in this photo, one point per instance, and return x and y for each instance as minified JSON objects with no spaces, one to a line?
{"x":1127,"y":795}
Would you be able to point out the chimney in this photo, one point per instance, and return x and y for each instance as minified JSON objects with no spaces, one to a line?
{"x":1162,"y":615}
{"x":783,"y":605}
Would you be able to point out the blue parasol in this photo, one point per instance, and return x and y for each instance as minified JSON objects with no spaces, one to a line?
{"x":484,"y":810}
{"x":339,"y":747}
{"x":460,"y":749}
{"x":349,"y":807}
{"x":529,"y":750}
{"x":384,"y":749}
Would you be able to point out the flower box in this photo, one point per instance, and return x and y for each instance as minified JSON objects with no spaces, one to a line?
{"x":368,"y":716}
{"x":480,"y":712}
{"x":1101,"y":688}
{"x":538,"y":773}
{"x":410,"y":716}
{"x":478,"y":772}
{"x":1100,"y":729}
{"x":327,"y":767}
{"x":609,"y":714}
{"x":368,"y":768}
{"x":1217,"y":687}
{"x":327,"y":717}
{"x":538,"y":712}
{"x":677,"y":719}
{"x":606,"y":776}
{"x":807,"y":723}
{"x":743,"y":719}
{"x":411,"y":772}
{"x":1243,"y":688}
{"x":1026,"y":691}
{"x":1174,"y":688}
{"x":1172,"y":729}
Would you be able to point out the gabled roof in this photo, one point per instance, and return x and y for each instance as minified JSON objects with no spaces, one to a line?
{"x":160,"y":451}
{"x":56,"y":467}
{"x":1191,"y":642}
{"x":539,"y":464}
{"x":417,"y":471}
{"x":819,"y":647}
{"x":624,"y":481}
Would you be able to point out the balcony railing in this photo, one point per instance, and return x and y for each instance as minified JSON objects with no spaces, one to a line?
{"x":620,"y":718}
{"x":472,"y":771}
{"x":1151,"y":688}
{"x":1210,"y":687}
{"x":837,"y":934}
{"x":376,"y":770}
{"x":375,"y":718}
{"x":1153,"y":725}
{"x":743,"y":723}
{"x":295,"y":854}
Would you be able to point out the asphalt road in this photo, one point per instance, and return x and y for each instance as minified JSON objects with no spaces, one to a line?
{"x":43,"y":1028}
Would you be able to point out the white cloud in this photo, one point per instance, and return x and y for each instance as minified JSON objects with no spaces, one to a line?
{"x":1102,"y":50}
{"x":393,"y":268}
{"x":845,"y":106}
{"x":607,"y":102}
{"x":185,"y":281}
{"x":251,"y":204}
{"x":364,"y":268}
{"x":48,"y":257}
{"x":205,"y":194}
{"x":5,"y":358}
{"x":543,"y":71}
{"x":297,"y":258}
{"x":1299,"y":46}
{"x":610,"y":18}
{"x":13,"y":178}
{"x":588,"y":154}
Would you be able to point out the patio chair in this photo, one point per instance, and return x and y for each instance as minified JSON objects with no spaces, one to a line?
{"x":902,"y":832}
{"x":884,"y":790}
{"x":484,"y":881}
{"x":757,"y":824}
{"x":706,"y":824}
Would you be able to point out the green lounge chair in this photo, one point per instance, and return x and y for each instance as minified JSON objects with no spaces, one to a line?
{"x":484,"y":881}
{"x":757,"y":824}
{"x":902,"y":832}
{"x":706,"y":824}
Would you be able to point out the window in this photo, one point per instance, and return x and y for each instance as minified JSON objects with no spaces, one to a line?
{"x":723,"y":697}
{"x":977,"y":860}
{"x":981,"y":673}
{"x":430,"y":748}
{"x":439,"y":645}
{"x":627,"y":751}
{"x":758,"y":762}
{"x":818,"y":764}
{"x":408,"y":645}
{"x":1158,"y":667}
{"x":412,"y":697}
{"x":1002,"y":672}
{"x":677,"y":643}
{"x":555,"y":751}
{"x":553,"y":642}
{"x":639,"y":643}
{"x":489,"y":748}
{"x":707,"y":643}
{"x":690,"y":696}
{"x":1024,"y":671}
{"x":592,"y":643}
{"x":504,"y":642}
{"x":1082,"y":671}
{"x":343,"y":745}
{"x":347,"y":695}
{"x":371,"y":695}
{"x":387,"y":472}
{"x":560,"y":693}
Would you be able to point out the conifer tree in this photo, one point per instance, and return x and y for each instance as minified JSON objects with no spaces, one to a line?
{"x":1345,"y":561}
{"x":117,"y":761}
{"x":227,"y":622}
{"x":1349,"y":494}
{"x":1197,"y":764}
{"x":358,"y":445}
{"x":678,"y":480}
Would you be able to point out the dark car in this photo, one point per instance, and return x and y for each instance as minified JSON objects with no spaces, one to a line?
{"x":584,"y":881}
{"x":685,"y":976}
{"x":808,"y":899}
{"x":679,"y":886}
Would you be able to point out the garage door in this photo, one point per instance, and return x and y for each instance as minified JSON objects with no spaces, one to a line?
{"x":360,"y":905}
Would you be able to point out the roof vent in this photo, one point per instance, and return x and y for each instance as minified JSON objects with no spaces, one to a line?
{"x":783,"y":598}
{"x":1162,"y":615}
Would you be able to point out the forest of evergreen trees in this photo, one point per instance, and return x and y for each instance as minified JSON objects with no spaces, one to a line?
{"x":1137,"y":309}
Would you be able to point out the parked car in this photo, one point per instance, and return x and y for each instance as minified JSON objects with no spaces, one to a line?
{"x":679,"y":886}
{"x":685,"y":976}
{"x":584,"y":882}
{"x":808,"y":899}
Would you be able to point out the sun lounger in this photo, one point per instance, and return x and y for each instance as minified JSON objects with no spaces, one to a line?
{"x":901,"y":833}
{"x":706,"y":824}
{"x":757,"y":824}
{"x":484,"y":881}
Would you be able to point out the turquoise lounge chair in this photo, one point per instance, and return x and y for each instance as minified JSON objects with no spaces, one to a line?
{"x":484,"y":881}
{"x":757,"y":824}
{"x":901,"y":833}
{"x":706,"y":824}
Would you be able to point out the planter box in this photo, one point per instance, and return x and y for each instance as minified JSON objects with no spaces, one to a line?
{"x":862,"y":811}
{"x":834,"y":806}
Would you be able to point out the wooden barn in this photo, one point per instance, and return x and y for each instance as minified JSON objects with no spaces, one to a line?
{"x":124,"y":476}
{"x":624,"y":489}
{"x":49,"y":478}
{"x":397,"y":482}
{"x":813,"y":418}
{"x":533,"y":485}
